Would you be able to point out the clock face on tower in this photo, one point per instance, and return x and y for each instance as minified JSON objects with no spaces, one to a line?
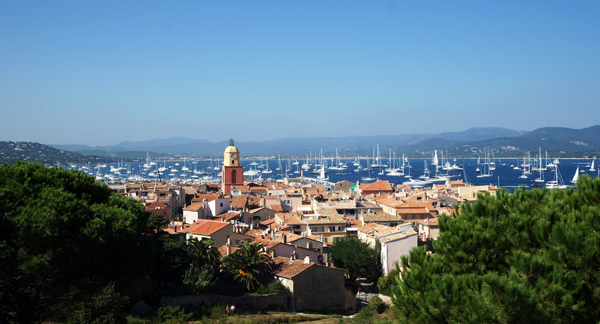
{"x":233,"y":156}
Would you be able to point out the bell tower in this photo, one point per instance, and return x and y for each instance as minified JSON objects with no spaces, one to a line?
{"x":233,"y":173}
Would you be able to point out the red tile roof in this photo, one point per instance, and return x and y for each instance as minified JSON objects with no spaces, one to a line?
{"x":285,"y":268}
{"x":223,"y":250}
{"x":238,"y":202}
{"x":205,"y":197}
{"x":377,"y":186}
{"x":156,"y":205}
{"x":227,"y":216}
{"x":194,"y":207}
{"x":205,"y":227}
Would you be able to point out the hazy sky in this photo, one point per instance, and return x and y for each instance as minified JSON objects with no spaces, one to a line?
{"x":100,"y":72}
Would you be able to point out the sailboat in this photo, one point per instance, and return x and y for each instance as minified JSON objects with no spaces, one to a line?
{"x":267,"y":170}
{"x":540,"y":168}
{"x":592,"y":168}
{"x":278,"y":163}
{"x":576,"y":175}
{"x":435,"y":161}
{"x":369,"y":168}
{"x":557,"y":182}
{"x":321,"y":176}
{"x":486,"y":168}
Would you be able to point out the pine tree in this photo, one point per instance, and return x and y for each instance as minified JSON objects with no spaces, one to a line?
{"x":531,"y":256}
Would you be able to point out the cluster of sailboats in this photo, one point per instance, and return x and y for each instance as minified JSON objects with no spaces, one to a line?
{"x":537,"y":171}
{"x":394,"y":167}
{"x":184,"y":171}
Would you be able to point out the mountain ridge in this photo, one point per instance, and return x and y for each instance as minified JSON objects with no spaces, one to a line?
{"x":290,"y":145}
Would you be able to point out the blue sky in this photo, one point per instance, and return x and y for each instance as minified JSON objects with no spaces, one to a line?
{"x":101,"y":72}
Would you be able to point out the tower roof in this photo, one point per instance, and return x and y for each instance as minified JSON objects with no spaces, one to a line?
{"x":231,"y":148}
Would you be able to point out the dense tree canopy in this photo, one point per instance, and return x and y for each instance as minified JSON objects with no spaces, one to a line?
{"x":249,"y":265}
{"x":530,"y":257}
{"x":67,"y":238}
{"x":357,"y":258}
{"x":204,"y":265}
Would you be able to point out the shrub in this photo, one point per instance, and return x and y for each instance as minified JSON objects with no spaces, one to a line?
{"x":384,"y":284}
{"x":173,"y":315}
{"x":272,"y":288}
{"x":376,"y":305}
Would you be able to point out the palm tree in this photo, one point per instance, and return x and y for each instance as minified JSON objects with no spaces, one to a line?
{"x":249,"y":265}
{"x":203,"y":254}
{"x":204,"y":264}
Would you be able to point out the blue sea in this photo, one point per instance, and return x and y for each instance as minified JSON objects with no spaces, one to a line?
{"x":504,"y":175}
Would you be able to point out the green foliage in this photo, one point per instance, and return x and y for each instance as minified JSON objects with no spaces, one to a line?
{"x":530,"y":257}
{"x":69,"y":237}
{"x":204,"y":265}
{"x":272,"y":288}
{"x":173,"y":315}
{"x":199,"y":279}
{"x":105,"y":307}
{"x":376,"y":305}
{"x":384,"y":284}
{"x":249,"y":265}
{"x":357,"y":258}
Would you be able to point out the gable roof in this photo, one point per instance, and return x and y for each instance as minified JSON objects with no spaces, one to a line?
{"x":223,"y":250}
{"x":156,"y":205}
{"x":194,"y":207}
{"x":228,"y":215}
{"x":380,"y":185}
{"x":205,"y":227}
{"x":206,"y":197}
{"x":238,"y":202}
{"x":284,"y":267}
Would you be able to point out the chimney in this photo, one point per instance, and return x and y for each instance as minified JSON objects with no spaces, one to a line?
{"x":284,"y":239}
{"x":273,"y":254}
{"x":228,"y":239}
{"x":307,"y":259}
{"x":228,"y":249}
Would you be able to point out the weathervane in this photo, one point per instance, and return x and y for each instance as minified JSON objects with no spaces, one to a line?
{"x":231,"y":142}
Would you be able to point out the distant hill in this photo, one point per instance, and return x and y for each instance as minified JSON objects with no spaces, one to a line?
{"x":558,"y":141}
{"x":10,"y":152}
{"x":299,"y":146}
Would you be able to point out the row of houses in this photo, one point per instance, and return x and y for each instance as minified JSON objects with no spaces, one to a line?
{"x":297,"y":223}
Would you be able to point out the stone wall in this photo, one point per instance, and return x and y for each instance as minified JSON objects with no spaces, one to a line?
{"x":281,"y":301}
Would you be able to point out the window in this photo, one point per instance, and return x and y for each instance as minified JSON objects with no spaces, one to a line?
{"x":336,"y":239}
{"x":234,"y":176}
{"x":332,"y":228}
{"x":325,"y":239}
{"x":222,"y":206}
{"x":317,"y":229}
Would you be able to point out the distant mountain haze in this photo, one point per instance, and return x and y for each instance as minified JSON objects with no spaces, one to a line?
{"x":471,"y":142}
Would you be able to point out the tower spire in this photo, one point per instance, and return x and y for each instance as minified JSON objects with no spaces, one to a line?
{"x":231,"y":142}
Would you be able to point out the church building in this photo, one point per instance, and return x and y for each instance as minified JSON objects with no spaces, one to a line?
{"x":233,"y":173}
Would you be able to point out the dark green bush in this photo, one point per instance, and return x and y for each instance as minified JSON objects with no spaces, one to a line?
{"x":384,"y":284}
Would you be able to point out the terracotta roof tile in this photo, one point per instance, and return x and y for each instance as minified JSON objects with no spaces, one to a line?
{"x":206,"y":197}
{"x":156,"y":205}
{"x":194,"y":207}
{"x":223,"y":250}
{"x":289,"y":219}
{"x":205,"y":227}
{"x":227,"y":216}
{"x":238,"y":202}
{"x":285,"y":268}
{"x":380,"y":185}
